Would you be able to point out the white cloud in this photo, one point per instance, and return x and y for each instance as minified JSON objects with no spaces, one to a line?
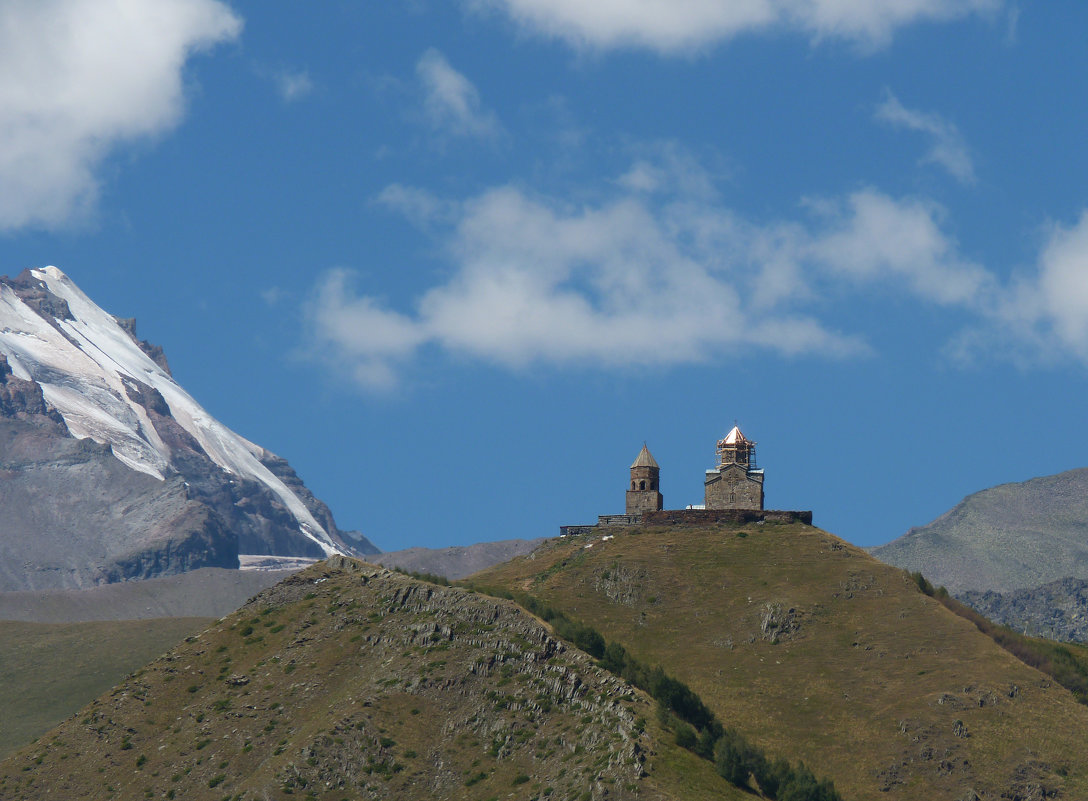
{"x":273,"y":295}
{"x":668,"y":168}
{"x":948,"y":149}
{"x":293,"y":85}
{"x":451,"y":101}
{"x":419,"y":206}
{"x":639,"y":280}
{"x":1045,"y":315}
{"x":874,"y":236}
{"x":80,"y":77}
{"x":351,"y":330}
{"x":677,"y":26}
{"x":1063,"y":285}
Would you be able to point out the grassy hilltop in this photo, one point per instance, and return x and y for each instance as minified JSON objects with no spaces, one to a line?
{"x":350,"y":681}
{"x":816,"y":651}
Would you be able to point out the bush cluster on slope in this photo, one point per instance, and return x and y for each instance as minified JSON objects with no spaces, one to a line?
{"x":695,"y":726}
{"x":1052,"y":658}
{"x":430,"y":578}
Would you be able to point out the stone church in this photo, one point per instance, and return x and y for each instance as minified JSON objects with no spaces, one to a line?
{"x":733,"y":493}
{"x":736,"y":483}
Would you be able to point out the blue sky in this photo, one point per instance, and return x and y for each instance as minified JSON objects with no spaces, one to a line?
{"x":456,"y":261}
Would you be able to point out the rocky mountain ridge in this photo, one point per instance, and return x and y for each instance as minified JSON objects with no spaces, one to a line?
{"x":350,"y":680}
{"x":1009,"y":537}
{"x":456,"y":561}
{"x":112,"y":471}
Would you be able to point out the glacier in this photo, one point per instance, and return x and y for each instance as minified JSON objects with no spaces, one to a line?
{"x":89,"y":368}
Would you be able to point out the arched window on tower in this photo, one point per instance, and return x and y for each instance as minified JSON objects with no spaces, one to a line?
{"x":642,"y":485}
{"x":632,"y":485}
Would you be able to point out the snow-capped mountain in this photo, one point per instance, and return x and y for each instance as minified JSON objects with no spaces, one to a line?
{"x":96,"y":381}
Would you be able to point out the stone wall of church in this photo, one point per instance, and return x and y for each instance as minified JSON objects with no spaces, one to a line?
{"x":733,"y":487}
{"x":706,"y":517}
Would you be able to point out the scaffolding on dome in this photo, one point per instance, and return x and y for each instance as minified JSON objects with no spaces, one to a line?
{"x":735,"y":448}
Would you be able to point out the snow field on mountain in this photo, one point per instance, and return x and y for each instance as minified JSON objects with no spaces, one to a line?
{"x":84,"y":378}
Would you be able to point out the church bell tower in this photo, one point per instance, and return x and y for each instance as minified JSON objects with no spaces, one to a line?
{"x":644,"y":492}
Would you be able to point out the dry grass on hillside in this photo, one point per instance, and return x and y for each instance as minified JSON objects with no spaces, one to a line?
{"x":353,"y":681}
{"x":816,"y":651}
{"x":48,"y":671}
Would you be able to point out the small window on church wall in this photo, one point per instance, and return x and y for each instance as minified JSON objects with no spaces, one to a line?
{"x":632,"y":485}
{"x":653,"y":485}
{"x":642,"y":485}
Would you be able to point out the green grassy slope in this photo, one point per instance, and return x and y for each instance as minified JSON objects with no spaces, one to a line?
{"x":48,"y":671}
{"x":351,"y":681}
{"x":816,"y":651}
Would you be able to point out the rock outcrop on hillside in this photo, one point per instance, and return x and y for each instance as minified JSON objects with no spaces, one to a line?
{"x":1057,"y":611}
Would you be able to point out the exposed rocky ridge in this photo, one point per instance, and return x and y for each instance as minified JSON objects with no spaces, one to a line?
{"x":37,"y":296}
{"x":1057,"y":611}
{"x":349,"y":680}
{"x":21,"y":399}
{"x":154,"y":352}
{"x":80,"y":512}
{"x":456,"y":561}
{"x":1009,"y":537}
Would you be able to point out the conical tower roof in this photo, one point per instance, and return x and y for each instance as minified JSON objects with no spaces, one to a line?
{"x":734,"y":437}
{"x":645,"y":458}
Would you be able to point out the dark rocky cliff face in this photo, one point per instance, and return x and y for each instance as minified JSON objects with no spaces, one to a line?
{"x":74,"y":516}
{"x":20,"y":399}
{"x":154,"y":352}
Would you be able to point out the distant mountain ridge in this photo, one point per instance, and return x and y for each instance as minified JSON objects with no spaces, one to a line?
{"x":209,"y":592}
{"x":1010,"y":537}
{"x":456,"y":561}
{"x":111,"y":470}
